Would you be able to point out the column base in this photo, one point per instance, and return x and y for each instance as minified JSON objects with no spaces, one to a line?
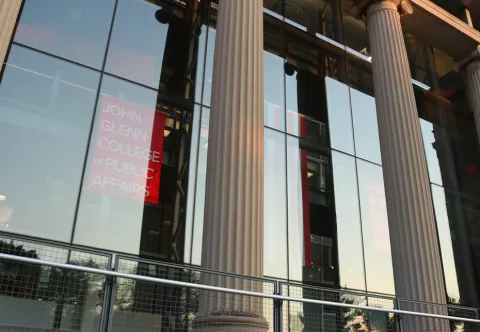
{"x":233,"y":321}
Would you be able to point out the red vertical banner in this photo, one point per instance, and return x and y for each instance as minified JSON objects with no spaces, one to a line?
{"x":128,"y":151}
{"x":305,"y":200}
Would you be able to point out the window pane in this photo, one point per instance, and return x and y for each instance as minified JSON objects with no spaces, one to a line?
{"x":316,"y":17}
{"x":430,"y":152}
{"x":275,"y":196}
{"x":207,"y":81}
{"x":130,"y":201}
{"x":152,"y":45}
{"x":376,"y":238}
{"x":339,"y":116}
{"x":367,"y":142}
{"x":46,"y":108}
{"x":192,"y":180}
{"x":75,"y":30}
{"x":311,"y":223}
{"x":309,"y":60}
{"x":200,"y":189}
{"x":349,"y":233}
{"x":443,"y":228}
{"x":274,"y":104}
{"x":202,"y":49}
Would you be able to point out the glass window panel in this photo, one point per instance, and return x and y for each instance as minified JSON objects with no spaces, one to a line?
{"x":311,"y":223}
{"x":367,"y":142}
{"x":339,"y":116}
{"x":321,"y":17}
{"x":360,"y":75}
{"x":208,"y":79}
{"x":200,"y":189}
{"x":355,"y":34}
{"x":433,"y":164}
{"x":46,"y":108}
{"x":273,"y":8}
{"x":309,"y":61}
{"x":376,"y":238}
{"x":130,"y":201}
{"x":446,"y":248}
{"x":75,"y":30}
{"x":200,"y":75}
{"x":192,"y":176}
{"x":275,"y":214}
{"x":158,"y":49}
{"x":349,"y":233}
{"x":274,"y":91}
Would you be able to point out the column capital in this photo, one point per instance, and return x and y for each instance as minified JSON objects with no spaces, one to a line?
{"x":359,"y":9}
{"x":472,"y":57}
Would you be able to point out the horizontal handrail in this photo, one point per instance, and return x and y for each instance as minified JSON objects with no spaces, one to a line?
{"x":224,"y":290}
{"x":450,"y":306}
{"x":193,"y":268}
{"x":338,"y":290}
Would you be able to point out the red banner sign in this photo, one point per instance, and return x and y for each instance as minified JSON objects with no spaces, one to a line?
{"x":127,"y":159}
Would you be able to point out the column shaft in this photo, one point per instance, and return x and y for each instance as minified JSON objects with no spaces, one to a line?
{"x":9,"y":10}
{"x":415,"y":250}
{"x":233,"y":225}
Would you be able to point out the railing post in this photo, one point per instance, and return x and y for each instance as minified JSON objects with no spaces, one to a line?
{"x":277,"y":310}
{"x":107,"y":312}
{"x":398,"y":317}
{"x":477,"y":314}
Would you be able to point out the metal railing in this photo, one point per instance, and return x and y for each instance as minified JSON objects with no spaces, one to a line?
{"x":303,"y":308}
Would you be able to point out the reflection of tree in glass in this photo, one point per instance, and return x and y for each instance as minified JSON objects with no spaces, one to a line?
{"x":76,"y":293}
{"x":354,"y":320}
{"x":177,"y":306}
{"x":18,"y":279}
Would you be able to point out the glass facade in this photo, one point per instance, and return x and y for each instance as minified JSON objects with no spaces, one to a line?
{"x":105,"y":106}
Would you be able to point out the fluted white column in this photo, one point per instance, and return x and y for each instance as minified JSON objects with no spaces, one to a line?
{"x":415,"y":250}
{"x":471,"y":73}
{"x":233,"y":223}
{"x":9,"y":10}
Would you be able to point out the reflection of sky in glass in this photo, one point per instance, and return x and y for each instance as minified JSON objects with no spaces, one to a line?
{"x":192,"y":172}
{"x":292,"y":103}
{"x":350,"y":257}
{"x":367,"y":143}
{"x":136,"y":50}
{"x":275,"y":193}
{"x":46,"y":106}
{"x":295,"y":210}
{"x":76,"y":30}
{"x":273,"y":88}
{"x":376,"y":236}
{"x":207,"y":87}
{"x":339,"y":116}
{"x":430,"y":152}
{"x":444,"y":237}
{"x":200,"y":189}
